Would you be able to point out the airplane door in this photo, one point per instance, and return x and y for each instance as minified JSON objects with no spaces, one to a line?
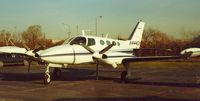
{"x":81,"y":55}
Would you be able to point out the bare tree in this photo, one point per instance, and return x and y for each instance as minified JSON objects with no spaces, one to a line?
{"x":32,"y":36}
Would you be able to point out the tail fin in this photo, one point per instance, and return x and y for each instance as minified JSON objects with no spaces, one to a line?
{"x":136,"y":36}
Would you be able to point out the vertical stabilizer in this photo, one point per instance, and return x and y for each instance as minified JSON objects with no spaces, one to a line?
{"x":136,"y":35}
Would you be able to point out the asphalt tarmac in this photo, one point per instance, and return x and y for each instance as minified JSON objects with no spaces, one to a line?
{"x":177,"y":82}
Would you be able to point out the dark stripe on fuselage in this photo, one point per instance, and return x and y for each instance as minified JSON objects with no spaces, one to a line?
{"x":67,"y":54}
{"x":72,"y":54}
{"x":118,"y":56}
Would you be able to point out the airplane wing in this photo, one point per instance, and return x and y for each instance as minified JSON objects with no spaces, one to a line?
{"x":149,"y":58}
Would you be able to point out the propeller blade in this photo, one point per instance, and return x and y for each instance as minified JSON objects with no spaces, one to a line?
{"x":25,"y":46}
{"x":188,"y":54}
{"x":106,"y":48}
{"x":38,"y":49}
{"x":88,"y":48}
{"x":97,"y":69}
{"x":29,"y":66}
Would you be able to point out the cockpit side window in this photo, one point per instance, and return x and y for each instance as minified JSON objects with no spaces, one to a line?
{"x":78,"y":41}
{"x":91,"y":42}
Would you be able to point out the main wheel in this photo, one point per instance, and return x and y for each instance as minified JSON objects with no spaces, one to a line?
{"x":57,"y":73}
{"x":47,"y":79}
{"x":124,"y":76}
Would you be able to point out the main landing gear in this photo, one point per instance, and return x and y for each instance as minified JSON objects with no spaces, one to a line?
{"x":125,"y":74}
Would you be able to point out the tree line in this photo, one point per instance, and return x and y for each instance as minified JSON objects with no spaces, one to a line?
{"x":33,"y":37}
{"x":159,"y":43}
{"x":154,"y":41}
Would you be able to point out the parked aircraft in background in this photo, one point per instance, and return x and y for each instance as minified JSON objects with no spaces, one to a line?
{"x":89,"y":49}
{"x":192,"y":52}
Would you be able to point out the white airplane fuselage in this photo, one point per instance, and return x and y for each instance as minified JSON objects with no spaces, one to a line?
{"x":76,"y":54}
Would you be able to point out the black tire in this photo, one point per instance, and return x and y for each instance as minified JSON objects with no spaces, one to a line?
{"x":124,"y":76}
{"x":47,"y":79}
{"x":57,"y":73}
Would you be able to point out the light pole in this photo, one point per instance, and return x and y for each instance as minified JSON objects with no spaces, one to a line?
{"x":69,"y":32}
{"x":96,"y":22}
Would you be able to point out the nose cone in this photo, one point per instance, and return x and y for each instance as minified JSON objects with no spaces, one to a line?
{"x":58,"y":54}
{"x":183,"y":52}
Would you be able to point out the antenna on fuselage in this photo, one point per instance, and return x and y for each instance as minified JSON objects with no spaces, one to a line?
{"x":83,"y":32}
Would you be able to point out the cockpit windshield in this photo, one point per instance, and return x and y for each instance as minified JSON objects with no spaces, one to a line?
{"x":67,"y":41}
{"x":78,"y":41}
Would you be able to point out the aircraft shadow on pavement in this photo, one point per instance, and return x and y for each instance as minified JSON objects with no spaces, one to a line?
{"x":72,"y":74}
{"x":148,"y":98}
{"x":69,"y":74}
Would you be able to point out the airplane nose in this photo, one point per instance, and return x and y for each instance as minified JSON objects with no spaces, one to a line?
{"x":183,"y":52}
{"x":58,"y":54}
{"x":186,"y":53}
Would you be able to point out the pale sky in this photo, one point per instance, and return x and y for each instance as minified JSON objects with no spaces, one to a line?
{"x":118,"y":16}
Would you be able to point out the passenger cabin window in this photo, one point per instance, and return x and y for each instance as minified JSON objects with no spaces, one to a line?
{"x":78,"y":41}
{"x":118,"y":43}
{"x":91,"y":42}
{"x":102,"y":42}
{"x":108,"y":42}
{"x":114,"y":43}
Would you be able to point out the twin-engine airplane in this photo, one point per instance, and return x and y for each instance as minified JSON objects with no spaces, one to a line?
{"x":89,"y":49}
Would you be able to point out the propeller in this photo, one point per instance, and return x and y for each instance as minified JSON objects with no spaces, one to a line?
{"x":97,"y":55}
{"x":28,"y":60}
{"x":187,"y":54}
{"x":30,"y":54}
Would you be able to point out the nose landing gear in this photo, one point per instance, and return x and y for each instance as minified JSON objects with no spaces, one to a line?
{"x":47,"y":76}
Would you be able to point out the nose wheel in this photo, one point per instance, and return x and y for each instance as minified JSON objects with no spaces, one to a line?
{"x":47,"y":78}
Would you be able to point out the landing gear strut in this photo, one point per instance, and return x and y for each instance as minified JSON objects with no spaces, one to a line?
{"x":47,"y":77}
{"x":125,"y":74}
